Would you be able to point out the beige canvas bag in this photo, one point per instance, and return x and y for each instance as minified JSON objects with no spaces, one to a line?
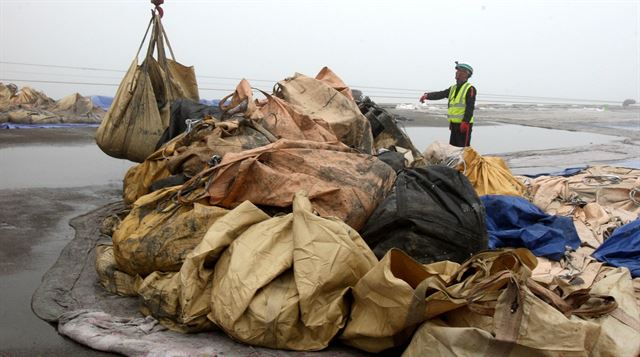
{"x":140,"y":110}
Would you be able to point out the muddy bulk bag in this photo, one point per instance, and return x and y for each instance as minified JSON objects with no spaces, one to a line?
{"x":140,"y":110}
{"x":326,"y":97}
{"x":189,"y":153}
{"x":159,"y":232}
{"x":340,"y":181}
{"x":433,"y":214}
{"x":284,"y":283}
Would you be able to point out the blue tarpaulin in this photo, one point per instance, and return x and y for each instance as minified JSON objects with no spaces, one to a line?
{"x":570,"y":171}
{"x":102,"y":101}
{"x":211,"y":102}
{"x":515,"y":222}
{"x":622,"y":249}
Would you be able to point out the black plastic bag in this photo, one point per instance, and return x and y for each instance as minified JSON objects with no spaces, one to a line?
{"x":433,"y":214}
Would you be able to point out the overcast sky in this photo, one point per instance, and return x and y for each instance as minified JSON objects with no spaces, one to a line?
{"x":564,"y":49}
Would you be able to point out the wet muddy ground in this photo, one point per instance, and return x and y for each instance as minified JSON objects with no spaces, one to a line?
{"x":48,"y":176}
{"x":542,"y":138}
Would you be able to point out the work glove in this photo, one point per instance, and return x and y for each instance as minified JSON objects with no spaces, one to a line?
{"x":464,"y":127}
{"x":423,"y":98}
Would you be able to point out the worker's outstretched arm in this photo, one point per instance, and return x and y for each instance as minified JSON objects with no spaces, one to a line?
{"x":435,"y":95}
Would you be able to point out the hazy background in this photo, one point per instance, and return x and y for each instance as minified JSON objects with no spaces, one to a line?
{"x":547,"y":49}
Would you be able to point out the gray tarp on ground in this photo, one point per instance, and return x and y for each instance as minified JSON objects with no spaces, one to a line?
{"x":71,"y":296}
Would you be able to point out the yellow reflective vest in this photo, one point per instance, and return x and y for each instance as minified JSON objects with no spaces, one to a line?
{"x":458,"y":103}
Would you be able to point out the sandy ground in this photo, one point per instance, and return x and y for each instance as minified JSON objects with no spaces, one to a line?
{"x":34,"y":221}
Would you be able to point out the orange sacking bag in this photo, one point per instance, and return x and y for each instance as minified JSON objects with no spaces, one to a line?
{"x":277,"y":116}
{"x":190,"y":153}
{"x":319,"y":99}
{"x":286,"y":122}
{"x":340,"y":181}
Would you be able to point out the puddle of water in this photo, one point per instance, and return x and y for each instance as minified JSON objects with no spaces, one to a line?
{"x":59,"y":167}
{"x":495,"y":139}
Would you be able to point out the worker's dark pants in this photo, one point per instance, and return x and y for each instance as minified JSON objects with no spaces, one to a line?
{"x":459,"y":138}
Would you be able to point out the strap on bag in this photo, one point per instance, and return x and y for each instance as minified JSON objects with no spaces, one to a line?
{"x":626,"y":319}
{"x":232,"y":108}
{"x":415,"y":314}
{"x":144,"y":37}
{"x":140,"y":49}
{"x":162,"y":56}
{"x":507,"y":322}
{"x":166,"y":38}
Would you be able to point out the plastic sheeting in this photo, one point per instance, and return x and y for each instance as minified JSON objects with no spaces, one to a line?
{"x":622,"y":249}
{"x":515,"y":222}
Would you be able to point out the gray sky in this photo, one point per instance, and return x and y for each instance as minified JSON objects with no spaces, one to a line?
{"x":566,"y":49}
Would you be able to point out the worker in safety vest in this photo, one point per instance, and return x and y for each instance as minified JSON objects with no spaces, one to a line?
{"x":462,"y":100}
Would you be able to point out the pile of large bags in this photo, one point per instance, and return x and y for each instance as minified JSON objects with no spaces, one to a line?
{"x":281,"y":221}
{"x":28,"y":106}
{"x":264,"y":223}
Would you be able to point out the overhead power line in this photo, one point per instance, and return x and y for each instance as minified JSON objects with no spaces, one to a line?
{"x":59,"y":66}
{"x":60,"y":82}
{"x":372,"y":91}
{"x":62,"y":74}
{"x":227,"y":90}
{"x":121,"y":71}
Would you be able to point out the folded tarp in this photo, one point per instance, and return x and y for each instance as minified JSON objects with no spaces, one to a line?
{"x":622,"y":249}
{"x":515,"y":222}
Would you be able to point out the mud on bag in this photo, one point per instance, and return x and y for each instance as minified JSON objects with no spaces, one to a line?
{"x":141,"y":108}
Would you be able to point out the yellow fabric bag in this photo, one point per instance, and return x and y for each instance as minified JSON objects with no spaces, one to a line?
{"x":283,"y":283}
{"x":489,"y":175}
{"x":528,"y":319}
{"x":159,"y":232}
{"x":399,"y":294}
{"x":181,"y":300}
{"x":112,"y":279}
